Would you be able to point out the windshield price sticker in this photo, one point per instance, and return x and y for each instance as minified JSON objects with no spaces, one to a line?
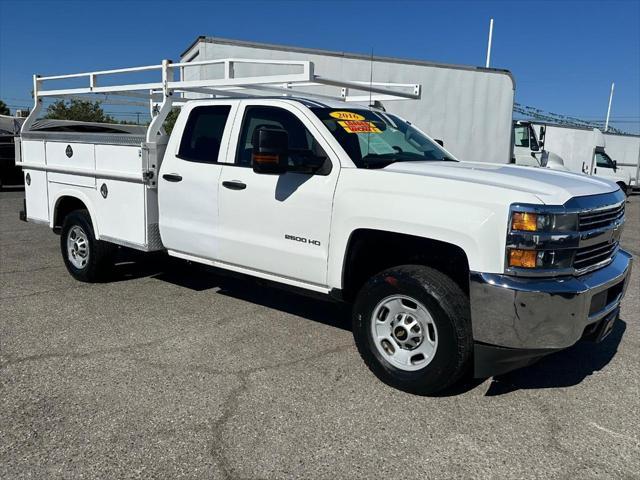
{"x":346,"y":116}
{"x":358,"y":126}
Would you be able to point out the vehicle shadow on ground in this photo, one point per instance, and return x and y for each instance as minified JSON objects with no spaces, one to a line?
{"x":132,"y":265}
{"x":563,"y":369}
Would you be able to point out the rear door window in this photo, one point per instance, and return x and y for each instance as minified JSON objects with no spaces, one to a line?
{"x":203,"y":133}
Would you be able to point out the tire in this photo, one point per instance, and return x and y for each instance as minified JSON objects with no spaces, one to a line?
{"x":625,"y":189}
{"x":447,"y":340}
{"x":92,"y":259}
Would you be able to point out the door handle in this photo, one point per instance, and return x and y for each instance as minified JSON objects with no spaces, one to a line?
{"x":234,"y":185}
{"x":172,"y":177}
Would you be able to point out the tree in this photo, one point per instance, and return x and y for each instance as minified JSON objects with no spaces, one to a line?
{"x":170,"y":121}
{"x":4,"y":110}
{"x":80,"y":110}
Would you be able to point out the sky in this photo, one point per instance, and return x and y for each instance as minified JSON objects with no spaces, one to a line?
{"x":563,"y":54}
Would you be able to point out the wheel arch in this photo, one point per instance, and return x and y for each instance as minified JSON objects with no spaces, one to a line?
{"x":68,"y":201}
{"x":370,"y":251}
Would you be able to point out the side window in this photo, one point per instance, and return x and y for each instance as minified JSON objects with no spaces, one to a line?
{"x":603,"y":160}
{"x":203,"y":133}
{"x":301,"y":143}
{"x":521,"y":136}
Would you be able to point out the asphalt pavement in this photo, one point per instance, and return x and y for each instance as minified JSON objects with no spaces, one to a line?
{"x":173,"y":371}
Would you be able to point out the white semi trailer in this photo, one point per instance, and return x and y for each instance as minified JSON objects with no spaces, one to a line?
{"x":468,"y":108}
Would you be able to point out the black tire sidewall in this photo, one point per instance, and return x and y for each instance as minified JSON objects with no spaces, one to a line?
{"x":442,"y":367}
{"x":79,"y":219}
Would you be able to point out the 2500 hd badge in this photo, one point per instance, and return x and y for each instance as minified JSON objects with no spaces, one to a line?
{"x":302,"y":240}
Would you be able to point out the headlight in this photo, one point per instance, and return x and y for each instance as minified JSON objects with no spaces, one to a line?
{"x":540,"y":242}
{"x":543,"y":222}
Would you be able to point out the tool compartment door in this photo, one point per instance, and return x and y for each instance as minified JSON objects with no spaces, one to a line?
{"x":120,"y":205}
{"x":35,"y":181}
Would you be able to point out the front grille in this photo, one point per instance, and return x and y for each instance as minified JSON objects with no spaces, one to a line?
{"x":601,"y":218}
{"x":587,"y":257}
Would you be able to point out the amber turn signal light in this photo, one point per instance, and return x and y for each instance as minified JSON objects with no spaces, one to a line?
{"x":522,"y":258}
{"x":524,"y":221}
{"x":265,"y":158}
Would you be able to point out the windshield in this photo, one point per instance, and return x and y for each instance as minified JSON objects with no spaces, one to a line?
{"x":377,"y":139}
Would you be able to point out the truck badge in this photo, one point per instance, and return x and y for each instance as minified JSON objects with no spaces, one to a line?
{"x":69,"y":151}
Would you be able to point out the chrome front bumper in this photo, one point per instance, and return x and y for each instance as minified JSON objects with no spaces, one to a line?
{"x":544,"y":313}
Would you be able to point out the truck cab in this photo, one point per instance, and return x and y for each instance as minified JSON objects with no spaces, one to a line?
{"x":602,"y":165}
{"x":529,"y":151}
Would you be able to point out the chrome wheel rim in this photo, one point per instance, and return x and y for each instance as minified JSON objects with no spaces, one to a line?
{"x":77,"y":247}
{"x":404,"y":332}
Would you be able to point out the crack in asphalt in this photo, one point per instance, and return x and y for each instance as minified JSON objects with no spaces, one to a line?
{"x":78,"y":355}
{"x":43,"y":292}
{"x":31,"y":270}
{"x":231,"y":404}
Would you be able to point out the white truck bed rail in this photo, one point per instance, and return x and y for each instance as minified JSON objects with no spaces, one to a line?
{"x":161,"y":95}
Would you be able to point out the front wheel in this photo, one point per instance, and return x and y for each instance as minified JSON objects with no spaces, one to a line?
{"x":412,"y":327}
{"x":86,"y":258}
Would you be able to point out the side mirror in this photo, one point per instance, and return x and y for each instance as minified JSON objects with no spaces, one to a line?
{"x":543,"y":133}
{"x":270,"y":150}
{"x":615,"y":165}
{"x":535,"y":148}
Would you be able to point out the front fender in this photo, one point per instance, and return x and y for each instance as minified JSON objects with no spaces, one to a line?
{"x":473,"y":217}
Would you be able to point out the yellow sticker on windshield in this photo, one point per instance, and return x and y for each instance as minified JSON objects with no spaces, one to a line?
{"x":357,"y":126}
{"x":346,"y":115}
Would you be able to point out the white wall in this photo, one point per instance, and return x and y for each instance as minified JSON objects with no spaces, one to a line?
{"x":575,"y":146}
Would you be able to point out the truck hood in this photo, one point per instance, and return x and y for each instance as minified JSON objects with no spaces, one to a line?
{"x":552,"y":187}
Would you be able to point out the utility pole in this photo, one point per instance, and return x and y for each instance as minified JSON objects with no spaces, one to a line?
{"x":606,"y":125}
{"x":489,"y":44}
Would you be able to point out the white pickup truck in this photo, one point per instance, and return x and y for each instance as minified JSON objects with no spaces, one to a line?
{"x":450,"y":266}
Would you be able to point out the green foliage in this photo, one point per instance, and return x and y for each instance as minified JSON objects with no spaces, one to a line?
{"x":80,"y":110}
{"x":4,"y":110}
{"x":170,"y":121}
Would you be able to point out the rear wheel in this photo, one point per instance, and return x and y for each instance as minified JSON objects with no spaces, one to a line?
{"x":86,"y":259}
{"x":412,"y":328}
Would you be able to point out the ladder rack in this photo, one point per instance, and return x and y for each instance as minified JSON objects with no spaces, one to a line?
{"x":165,"y":93}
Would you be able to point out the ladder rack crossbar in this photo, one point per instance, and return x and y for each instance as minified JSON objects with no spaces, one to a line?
{"x":160,"y":94}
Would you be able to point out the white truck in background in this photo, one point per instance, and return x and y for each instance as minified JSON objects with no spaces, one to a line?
{"x":625,"y":150}
{"x":529,"y":148}
{"x":584,"y":151}
{"x":451,"y":266}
